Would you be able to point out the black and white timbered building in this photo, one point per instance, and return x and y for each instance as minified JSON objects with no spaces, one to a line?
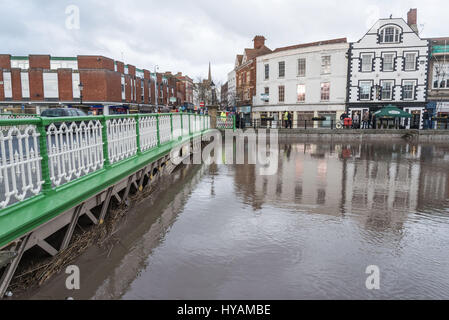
{"x":389,"y":65}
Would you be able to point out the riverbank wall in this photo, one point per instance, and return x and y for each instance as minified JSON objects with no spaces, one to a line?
{"x":440,"y":136}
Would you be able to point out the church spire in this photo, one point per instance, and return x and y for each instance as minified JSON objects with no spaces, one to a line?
{"x":210,"y":74}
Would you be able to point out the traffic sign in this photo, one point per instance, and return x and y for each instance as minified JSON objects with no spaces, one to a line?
{"x":202,"y":104}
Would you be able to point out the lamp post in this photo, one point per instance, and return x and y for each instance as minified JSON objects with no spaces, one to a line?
{"x":156,"y":67}
{"x":81,"y":87}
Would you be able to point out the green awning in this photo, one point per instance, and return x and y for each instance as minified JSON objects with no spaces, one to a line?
{"x":391,"y":111}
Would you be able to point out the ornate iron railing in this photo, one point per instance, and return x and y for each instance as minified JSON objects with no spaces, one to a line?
{"x":39,"y":155}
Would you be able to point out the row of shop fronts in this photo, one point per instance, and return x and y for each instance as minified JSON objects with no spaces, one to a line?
{"x":431,"y":115}
{"x":90,"y":109}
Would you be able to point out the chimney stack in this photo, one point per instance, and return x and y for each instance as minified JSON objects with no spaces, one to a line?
{"x":412,"y":19}
{"x":259,"y":42}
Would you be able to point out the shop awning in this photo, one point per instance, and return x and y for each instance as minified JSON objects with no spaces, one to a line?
{"x":391,"y":111}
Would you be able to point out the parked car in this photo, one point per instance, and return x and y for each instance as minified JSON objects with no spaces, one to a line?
{"x":63,"y":112}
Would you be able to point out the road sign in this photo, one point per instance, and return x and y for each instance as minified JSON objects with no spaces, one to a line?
{"x":202,"y":104}
{"x":173,"y":99}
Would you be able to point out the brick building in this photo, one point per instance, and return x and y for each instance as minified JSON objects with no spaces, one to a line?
{"x":245,"y":69}
{"x":185,"y":88}
{"x":95,"y":84}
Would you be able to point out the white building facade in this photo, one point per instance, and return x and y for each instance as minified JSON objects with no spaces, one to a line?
{"x":308,"y":80}
{"x":232,"y":90}
{"x":389,"y":65}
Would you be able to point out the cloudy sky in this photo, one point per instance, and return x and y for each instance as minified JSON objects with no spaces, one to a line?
{"x":181,"y":35}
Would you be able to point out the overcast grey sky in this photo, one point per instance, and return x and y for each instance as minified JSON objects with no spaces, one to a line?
{"x":181,"y":35}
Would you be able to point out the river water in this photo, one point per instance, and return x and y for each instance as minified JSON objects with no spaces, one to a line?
{"x":311,"y":231}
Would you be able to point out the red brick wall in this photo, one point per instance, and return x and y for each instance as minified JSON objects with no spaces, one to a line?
{"x":95,"y":62}
{"x":65,"y":84}
{"x":128,"y":88}
{"x":5,"y":61}
{"x":153,"y":92}
{"x":131,"y":70}
{"x":94,"y":82}
{"x":36,"y":85}
{"x":16,"y":84}
{"x":114,"y":88}
{"x":39,"y":61}
{"x":120,"y":67}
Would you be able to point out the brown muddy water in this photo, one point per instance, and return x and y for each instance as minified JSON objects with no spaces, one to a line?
{"x":225,"y":232}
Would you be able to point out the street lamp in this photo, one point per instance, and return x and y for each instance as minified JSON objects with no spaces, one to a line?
{"x":156,"y":67}
{"x":81,"y":87}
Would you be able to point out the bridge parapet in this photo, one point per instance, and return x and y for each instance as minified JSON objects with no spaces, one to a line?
{"x":39,"y":155}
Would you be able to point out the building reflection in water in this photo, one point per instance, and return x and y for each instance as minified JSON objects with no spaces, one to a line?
{"x":378,"y":184}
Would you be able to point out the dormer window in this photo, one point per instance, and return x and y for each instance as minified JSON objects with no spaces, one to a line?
{"x":389,"y":34}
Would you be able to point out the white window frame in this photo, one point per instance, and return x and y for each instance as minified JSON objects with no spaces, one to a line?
{"x":382,"y":90}
{"x":283,"y":94}
{"x":396,"y":34}
{"x":323,"y":93}
{"x":414,"y":54}
{"x":266,"y":71}
{"x":7,"y":84}
{"x":25,"y":83}
{"x":361,"y":86}
{"x":283,"y":69}
{"x":326,"y":62}
{"x":384,"y":55}
{"x":363,"y":65}
{"x":302,"y":67}
{"x":75,"y":85}
{"x":303,"y":92}
{"x":51,"y":90}
{"x":407,"y":83}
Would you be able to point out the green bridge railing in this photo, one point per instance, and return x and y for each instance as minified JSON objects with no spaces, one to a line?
{"x":48,"y":165}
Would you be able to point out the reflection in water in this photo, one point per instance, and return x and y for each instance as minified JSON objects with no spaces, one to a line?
{"x":308,"y":232}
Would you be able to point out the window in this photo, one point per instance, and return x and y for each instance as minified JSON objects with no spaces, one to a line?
{"x":389,"y":34}
{"x":281,"y":69}
{"x":267,"y":71}
{"x":281,"y":93}
{"x":325,"y":64}
{"x":302,"y":67}
{"x":367,"y":62}
{"x":410,"y":61}
{"x":387,"y":90}
{"x":7,"y":84}
{"x":51,"y":85}
{"x":440,"y":75}
{"x":123,"y":88}
{"x":388,"y":62}
{"x":22,"y":64}
{"x":142,"y":91}
{"x":365,"y":90}
{"x":301,"y":92}
{"x":267,"y":94}
{"x":248,"y":77}
{"x":25,"y":84}
{"x":408,"y":90}
{"x":75,"y":85}
{"x":325,"y":91}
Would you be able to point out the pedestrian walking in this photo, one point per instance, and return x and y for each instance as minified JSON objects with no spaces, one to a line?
{"x":290,"y":119}
{"x":286,"y":119}
{"x":365,"y":120}
{"x":356,"y":121}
